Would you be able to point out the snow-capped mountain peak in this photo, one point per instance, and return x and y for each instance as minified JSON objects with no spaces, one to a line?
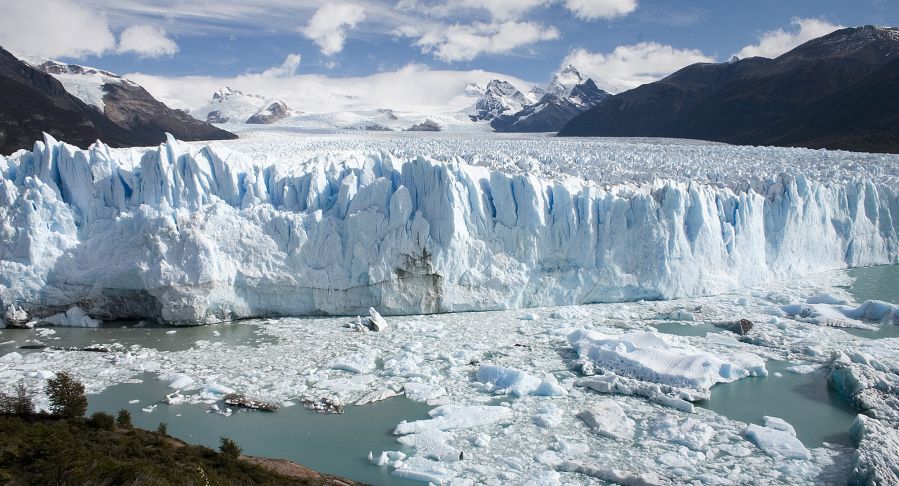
{"x":564,"y":81}
{"x":83,"y":82}
{"x":499,"y":97}
{"x":228,"y":92}
{"x":230,"y":105}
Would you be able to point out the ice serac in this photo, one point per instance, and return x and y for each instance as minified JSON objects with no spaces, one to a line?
{"x":195,"y":235}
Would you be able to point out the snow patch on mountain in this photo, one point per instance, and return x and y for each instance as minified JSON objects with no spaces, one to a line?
{"x":230,"y":105}
{"x":84,"y":83}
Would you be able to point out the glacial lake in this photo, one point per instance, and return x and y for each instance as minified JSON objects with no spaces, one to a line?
{"x":876,"y":283}
{"x":330,"y":443}
{"x":339,"y":444}
{"x":804,"y":400}
{"x":126,"y":334}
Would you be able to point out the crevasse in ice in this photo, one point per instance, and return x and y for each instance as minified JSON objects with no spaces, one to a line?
{"x":195,"y":234}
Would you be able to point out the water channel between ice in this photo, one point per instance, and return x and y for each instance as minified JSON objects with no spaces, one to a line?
{"x":339,"y":444}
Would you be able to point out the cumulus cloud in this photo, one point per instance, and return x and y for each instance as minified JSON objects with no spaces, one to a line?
{"x":600,"y":9}
{"x":412,"y":88}
{"x":453,"y":43}
{"x":328,"y":25}
{"x":54,"y":28}
{"x":146,"y":41}
{"x":776,"y":42}
{"x":629,"y":66}
{"x":287,"y":68}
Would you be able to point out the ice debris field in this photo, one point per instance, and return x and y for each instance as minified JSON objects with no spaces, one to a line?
{"x":606,"y":240}
{"x":559,"y":395}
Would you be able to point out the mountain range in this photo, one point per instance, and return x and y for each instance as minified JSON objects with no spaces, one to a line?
{"x":81,"y":105}
{"x":542,"y":109}
{"x":839,"y":91}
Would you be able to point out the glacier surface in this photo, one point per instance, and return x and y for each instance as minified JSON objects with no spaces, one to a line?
{"x":277,"y":225}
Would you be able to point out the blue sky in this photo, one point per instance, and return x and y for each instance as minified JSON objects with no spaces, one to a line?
{"x":623,"y":42}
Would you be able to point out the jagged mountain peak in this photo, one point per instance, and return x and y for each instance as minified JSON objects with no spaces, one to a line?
{"x":564,"y":81}
{"x":228,"y":92}
{"x":587,"y":94}
{"x":230,"y":105}
{"x":499,"y":97}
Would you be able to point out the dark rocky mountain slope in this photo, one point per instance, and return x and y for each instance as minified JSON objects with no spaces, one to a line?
{"x":32,"y":101}
{"x":838,"y":92}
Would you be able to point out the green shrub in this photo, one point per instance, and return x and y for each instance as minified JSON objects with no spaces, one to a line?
{"x":229,"y":448}
{"x":44,"y":450}
{"x":103,"y":420}
{"x":20,"y":403}
{"x":163,"y":428}
{"x":67,"y":399}
{"x":124,"y":419}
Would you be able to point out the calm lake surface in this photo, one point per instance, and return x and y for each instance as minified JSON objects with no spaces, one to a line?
{"x":331,"y":443}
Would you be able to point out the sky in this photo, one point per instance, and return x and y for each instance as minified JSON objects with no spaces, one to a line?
{"x":409,"y":53}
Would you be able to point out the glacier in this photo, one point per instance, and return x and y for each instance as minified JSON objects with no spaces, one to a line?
{"x":198,"y":233}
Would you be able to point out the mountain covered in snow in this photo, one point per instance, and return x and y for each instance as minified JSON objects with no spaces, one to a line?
{"x":234,"y":106}
{"x":497,"y":97}
{"x":839,"y":91}
{"x":84,"y":104}
{"x":566,"y":95}
{"x":204,"y":233}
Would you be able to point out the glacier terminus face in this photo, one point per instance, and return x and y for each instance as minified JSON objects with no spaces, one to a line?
{"x":277,"y":224}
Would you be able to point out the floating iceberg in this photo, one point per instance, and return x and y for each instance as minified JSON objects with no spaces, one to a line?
{"x":778,"y":439}
{"x":516,"y":382}
{"x":650,"y":357}
{"x":452,"y":417}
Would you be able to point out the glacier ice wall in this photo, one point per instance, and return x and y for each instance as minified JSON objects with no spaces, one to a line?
{"x":193,"y":235}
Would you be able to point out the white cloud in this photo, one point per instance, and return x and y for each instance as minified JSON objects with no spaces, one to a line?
{"x":146,"y":41}
{"x":452,"y":43}
{"x":54,"y":28}
{"x":776,"y":42}
{"x":328,"y":25}
{"x":287,"y":68}
{"x":630,"y":66}
{"x":412,"y":88}
{"x":600,"y":9}
{"x":502,"y":9}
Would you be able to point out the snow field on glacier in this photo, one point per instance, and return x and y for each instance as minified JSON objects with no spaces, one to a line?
{"x":285,"y":225}
{"x":508,"y":435}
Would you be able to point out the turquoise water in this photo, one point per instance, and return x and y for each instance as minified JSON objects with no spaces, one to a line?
{"x":805,"y":401}
{"x":876,"y":283}
{"x":240,"y":333}
{"x":699,"y":329}
{"x":333,"y":444}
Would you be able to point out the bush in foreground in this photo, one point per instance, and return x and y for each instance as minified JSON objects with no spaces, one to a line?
{"x":19,"y":403}
{"x":229,"y":448}
{"x":123,"y":419}
{"x":67,"y":399}
{"x":44,"y":450}
{"x":102,"y":420}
